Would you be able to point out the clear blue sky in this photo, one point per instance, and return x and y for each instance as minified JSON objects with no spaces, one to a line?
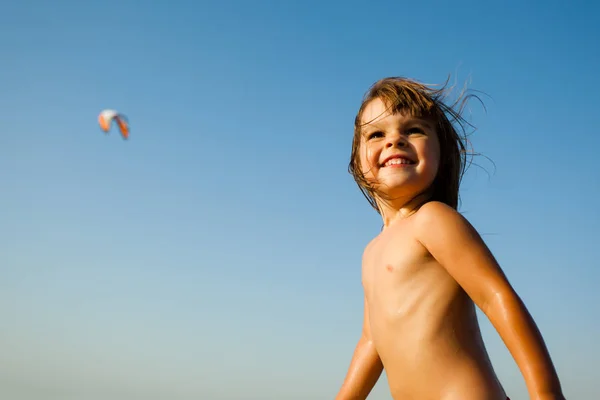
{"x":216,"y":254}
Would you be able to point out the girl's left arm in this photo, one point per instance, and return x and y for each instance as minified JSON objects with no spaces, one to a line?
{"x":457,"y":246}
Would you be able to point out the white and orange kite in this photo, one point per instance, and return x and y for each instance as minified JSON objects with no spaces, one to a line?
{"x":106,"y":118}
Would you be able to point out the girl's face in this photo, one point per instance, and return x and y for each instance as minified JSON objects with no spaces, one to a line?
{"x":399,"y":154}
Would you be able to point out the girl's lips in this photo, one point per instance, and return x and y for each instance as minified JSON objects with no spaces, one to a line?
{"x":397,"y":159}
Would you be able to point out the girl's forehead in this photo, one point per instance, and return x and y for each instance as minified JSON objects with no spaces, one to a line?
{"x":377,"y":113}
{"x":374,"y":111}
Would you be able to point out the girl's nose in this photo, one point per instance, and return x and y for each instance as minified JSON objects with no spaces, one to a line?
{"x":396,"y":140}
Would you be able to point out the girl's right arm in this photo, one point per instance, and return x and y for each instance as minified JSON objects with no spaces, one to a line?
{"x":365,"y":367}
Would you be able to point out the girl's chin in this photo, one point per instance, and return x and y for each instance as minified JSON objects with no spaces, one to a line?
{"x":405,"y":190}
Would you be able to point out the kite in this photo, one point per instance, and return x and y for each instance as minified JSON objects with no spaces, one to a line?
{"x":106,"y":118}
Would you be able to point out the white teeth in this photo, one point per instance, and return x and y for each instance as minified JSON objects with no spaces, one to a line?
{"x":396,"y":161}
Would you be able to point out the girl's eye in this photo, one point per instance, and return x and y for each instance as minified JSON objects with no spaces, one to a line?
{"x":374,"y":135}
{"x":415,"y":130}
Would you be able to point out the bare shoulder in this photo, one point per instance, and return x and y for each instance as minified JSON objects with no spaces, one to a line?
{"x":433,"y":210}
{"x":442,"y":229}
{"x":459,"y":249}
{"x":369,"y":247}
{"x":368,"y":253}
{"x":434,"y":218}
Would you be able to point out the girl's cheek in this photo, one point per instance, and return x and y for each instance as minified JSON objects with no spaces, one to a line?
{"x":369,"y":155}
{"x":367,"y":159}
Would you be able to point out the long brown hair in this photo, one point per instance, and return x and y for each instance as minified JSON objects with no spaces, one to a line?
{"x":421,"y":101}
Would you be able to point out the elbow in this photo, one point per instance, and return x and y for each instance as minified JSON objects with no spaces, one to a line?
{"x":365,"y":344}
{"x":366,"y":340}
{"x":500,"y":302}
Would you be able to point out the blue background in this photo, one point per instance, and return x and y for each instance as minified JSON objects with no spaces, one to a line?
{"x":216,"y":254}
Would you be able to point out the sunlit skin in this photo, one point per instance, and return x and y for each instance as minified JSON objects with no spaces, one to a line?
{"x":423,"y":277}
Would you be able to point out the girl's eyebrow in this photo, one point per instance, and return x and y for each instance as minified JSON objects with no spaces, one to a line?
{"x":418,"y":121}
{"x":371,"y":127}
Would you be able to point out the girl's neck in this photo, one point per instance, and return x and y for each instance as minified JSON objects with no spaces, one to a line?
{"x":392,"y":211}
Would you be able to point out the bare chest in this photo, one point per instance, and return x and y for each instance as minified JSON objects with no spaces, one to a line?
{"x":391,"y":262}
{"x":407,"y":291}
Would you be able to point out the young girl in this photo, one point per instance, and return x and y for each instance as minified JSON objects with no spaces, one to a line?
{"x":426,"y":271}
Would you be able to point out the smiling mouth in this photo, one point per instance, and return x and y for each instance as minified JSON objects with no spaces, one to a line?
{"x":398,"y":162}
